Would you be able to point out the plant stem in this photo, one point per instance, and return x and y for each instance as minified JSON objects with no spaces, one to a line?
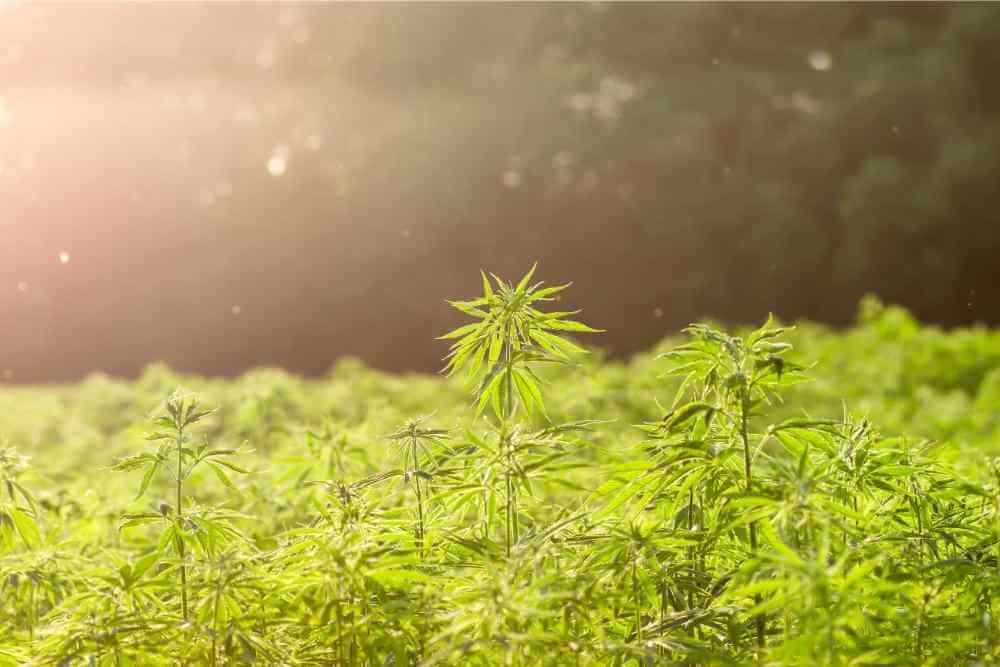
{"x":690,"y":527}
{"x":180,"y":520}
{"x":215,"y":619}
{"x":31,"y":612}
{"x":635,"y":601}
{"x":761,"y":620}
{"x":508,"y":410}
{"x":420,"y":499}
{"x":507,"y":509}
{"x":340,"y":628}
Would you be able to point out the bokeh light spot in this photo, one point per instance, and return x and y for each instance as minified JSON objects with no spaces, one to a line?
{"x":278,"y":162}
{"x":821,"y":61}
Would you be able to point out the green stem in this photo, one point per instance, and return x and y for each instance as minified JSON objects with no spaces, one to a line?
{"x":420,"y":499}
{"x":509,"y":488}
{"x":180,"y":522}
{"x":635,"y":602}
{"x":690,"y":527}
{"x":663,"y":608}
{"x":31,"y":611}
{"x":340,"y":627}
{"x":508,"y":411}
{"x":215,"y":620}
{"x":761,"y":620}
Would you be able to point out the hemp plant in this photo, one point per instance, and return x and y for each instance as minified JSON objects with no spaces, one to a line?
{"x":17,"y":505}
{"x":731,"y":379}
{"x":702,"y":452}
{"x":176,"y":454}
{"x":498,"y":353}
{"x":420,"y":465}
{"x":415,"y":442}
{"x":18,"y":513}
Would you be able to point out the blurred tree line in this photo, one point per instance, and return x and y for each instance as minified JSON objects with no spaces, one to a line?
{"x":676,"y":161}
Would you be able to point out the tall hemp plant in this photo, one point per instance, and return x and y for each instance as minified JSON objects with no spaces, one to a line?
{"x":730,"y":379}
{"x":498,"y":355}
{"x":208,"y":529}
{"x":702,"y":467}
{"x":418,"y":448}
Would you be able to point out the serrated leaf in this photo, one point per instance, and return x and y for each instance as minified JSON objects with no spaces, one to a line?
{"x":147,"y":478}
{"x":222,"y":476}
{"x":398,"y":577}
{"x":25,"y":526}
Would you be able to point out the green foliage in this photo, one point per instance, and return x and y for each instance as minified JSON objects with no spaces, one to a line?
{"x":511,"y":336}
{"x":702,"y":504}
{"x":499,"y":352}
{"x":205,"y":529}
{"x":17,"y":505}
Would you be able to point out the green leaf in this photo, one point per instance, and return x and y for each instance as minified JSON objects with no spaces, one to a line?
{"x":461,"y":331}
{"x":399,"y":578}
{"x":496,"y":346}
{"x":524,"y":281}
{"x":624,"y":495}
{"x":766,"y":531}
{"x":222,"y":476}
{"x":555,"y":344}
{"x":166,"y":538}
{"x":528,"y":390}
{"x":147,"y":478}
{"x":468,"y":308}
{"x":492,"y":388}
{"x":684,"y":413}
{"x":194,"y":417}
{"x":232,"y":466}
{"x":25,"y":526}
{"x":569,"y":325}
{"x":487,"y":289}
{"x":130,"y":463}
{"x":803,"y":423}
{"x":130,"y":520}
{"x":143,"y":564}
{"x":476,"y":363}
{"x":545,"y":293}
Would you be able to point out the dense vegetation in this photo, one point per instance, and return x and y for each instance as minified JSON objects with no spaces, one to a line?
{"x":702,"y":504}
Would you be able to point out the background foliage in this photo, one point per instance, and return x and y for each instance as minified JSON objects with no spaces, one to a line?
{"x":319,"y":175}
